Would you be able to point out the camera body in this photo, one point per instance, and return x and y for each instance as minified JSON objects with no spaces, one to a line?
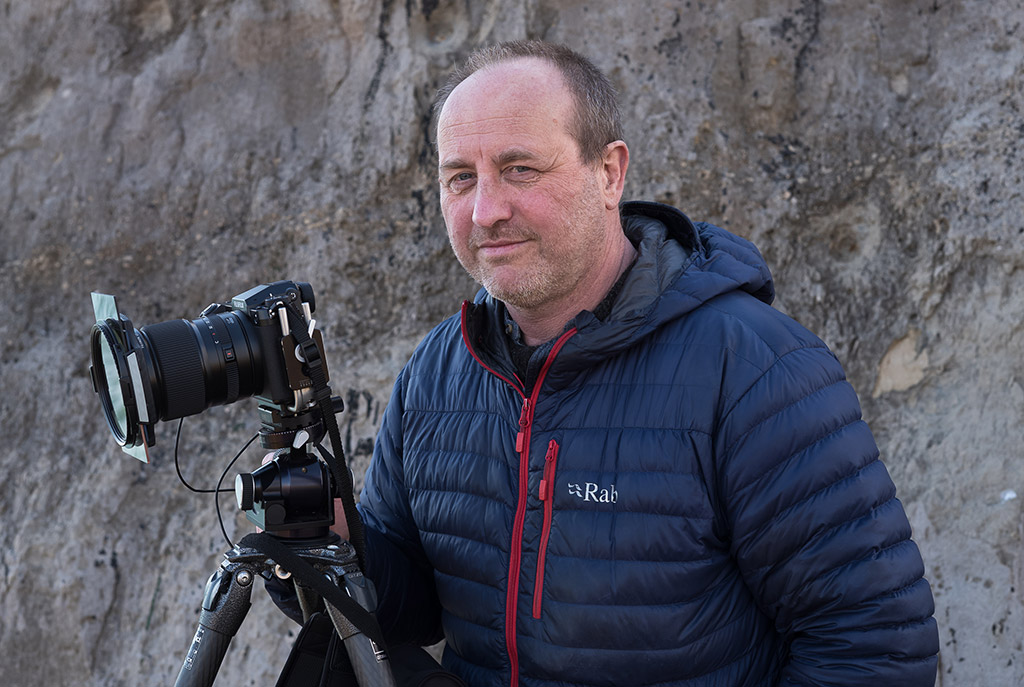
{"x":178,"y":368}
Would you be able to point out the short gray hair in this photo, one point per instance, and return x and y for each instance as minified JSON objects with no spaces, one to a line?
{"x":596,"y":113}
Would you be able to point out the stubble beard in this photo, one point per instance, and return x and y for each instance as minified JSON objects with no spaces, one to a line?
{"x":528,"y":287}
{"x":549,"y":277}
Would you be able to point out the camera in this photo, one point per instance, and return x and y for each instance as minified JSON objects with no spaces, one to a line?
{"x":178,"y":368}
{"x":248,"y":348}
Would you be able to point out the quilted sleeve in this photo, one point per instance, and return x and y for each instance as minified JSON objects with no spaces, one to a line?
{"x":819,"y":536}
{"x":407,"y":605}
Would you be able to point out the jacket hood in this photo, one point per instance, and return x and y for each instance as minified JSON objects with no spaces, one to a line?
{"x":679,"y":267}
{"x":678,"y":259}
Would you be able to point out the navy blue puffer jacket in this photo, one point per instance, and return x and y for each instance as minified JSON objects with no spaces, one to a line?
{"x":687,"y":495}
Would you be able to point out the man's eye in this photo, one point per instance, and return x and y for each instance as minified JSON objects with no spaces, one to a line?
{"x":460,"y":181}
{"x":521,"y":173}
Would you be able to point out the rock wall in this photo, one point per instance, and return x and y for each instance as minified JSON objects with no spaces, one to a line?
{"x":177,"y":153}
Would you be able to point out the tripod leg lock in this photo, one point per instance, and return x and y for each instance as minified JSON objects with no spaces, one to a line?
{"x":226,"y":601}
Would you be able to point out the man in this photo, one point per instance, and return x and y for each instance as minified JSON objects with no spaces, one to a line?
{"x":619,"y":465}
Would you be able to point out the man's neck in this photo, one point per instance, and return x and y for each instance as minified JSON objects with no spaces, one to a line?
{"x":548,"y":321}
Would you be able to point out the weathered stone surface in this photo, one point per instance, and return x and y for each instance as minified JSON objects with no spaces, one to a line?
{"x":177,"y":153}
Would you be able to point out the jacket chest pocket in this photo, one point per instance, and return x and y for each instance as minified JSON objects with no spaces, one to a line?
{"x":547,"y":497}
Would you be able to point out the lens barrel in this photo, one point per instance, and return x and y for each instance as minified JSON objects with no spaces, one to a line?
{"x":213,"y":360}
{"x":173,"y":369}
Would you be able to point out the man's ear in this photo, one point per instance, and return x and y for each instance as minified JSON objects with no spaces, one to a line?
{"x":614,"y":163}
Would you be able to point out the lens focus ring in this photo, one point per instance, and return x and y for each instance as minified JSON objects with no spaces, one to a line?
{"x":177,"y":354}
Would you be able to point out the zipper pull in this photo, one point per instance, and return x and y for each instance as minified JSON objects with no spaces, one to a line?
{"x":524,"y":424}
{"x":549,"y":462}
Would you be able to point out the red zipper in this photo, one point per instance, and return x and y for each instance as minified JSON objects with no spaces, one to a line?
{"x":547,"y":495}
{"x":523,"y":448}
{"x":516,"y":552}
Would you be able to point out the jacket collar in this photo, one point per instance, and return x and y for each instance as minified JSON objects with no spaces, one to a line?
{"x":680,"y":265}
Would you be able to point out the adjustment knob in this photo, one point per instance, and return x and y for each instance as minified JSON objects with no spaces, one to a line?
{"x":245,"y":488}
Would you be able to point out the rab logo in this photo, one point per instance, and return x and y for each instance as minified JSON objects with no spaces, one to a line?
{"x":588,"y":491}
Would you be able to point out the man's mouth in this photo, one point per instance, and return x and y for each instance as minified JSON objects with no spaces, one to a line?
{"x":499,"y":248}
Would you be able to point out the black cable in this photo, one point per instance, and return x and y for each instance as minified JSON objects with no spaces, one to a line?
{"x":177,"y":465}
{"x":216,"y":494}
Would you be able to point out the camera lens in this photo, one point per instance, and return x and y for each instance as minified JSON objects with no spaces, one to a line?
{"x":214,"y":360}
{"x":174,"y":369}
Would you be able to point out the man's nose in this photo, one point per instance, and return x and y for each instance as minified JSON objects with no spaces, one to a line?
{"x":491,"y":203}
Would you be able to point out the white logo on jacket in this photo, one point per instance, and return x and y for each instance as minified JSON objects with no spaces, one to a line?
{"x":588,"y":491}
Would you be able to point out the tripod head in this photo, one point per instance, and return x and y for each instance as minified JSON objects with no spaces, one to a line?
{"x":291,"y":496}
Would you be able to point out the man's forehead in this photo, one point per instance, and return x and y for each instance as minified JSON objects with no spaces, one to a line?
{"x":508,"y":108}
{"x":521,"y":123}
{"x":529,"y":137}
{"x":507,"y":90}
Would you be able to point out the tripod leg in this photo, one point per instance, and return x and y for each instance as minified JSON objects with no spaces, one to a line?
{"x":369,"y":662}
{"x":309,"y":601}
{"x":225,"y":604}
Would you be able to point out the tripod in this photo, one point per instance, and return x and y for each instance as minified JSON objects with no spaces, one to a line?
{"x":227,"y":600}
{"x":291,"y":498}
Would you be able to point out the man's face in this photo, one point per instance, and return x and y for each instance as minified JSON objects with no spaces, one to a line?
{"x":525,"y":216}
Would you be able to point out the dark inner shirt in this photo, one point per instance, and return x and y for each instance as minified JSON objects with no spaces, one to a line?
{"x":522,"y":354}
